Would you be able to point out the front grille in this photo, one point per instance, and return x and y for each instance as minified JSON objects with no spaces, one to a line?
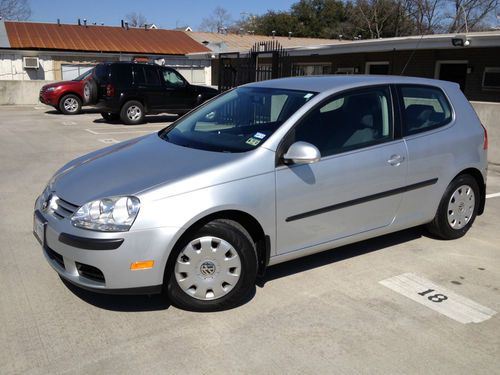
{"x":64,"y":209}
{"x":90,"y":272}
{"x":55,"y":256}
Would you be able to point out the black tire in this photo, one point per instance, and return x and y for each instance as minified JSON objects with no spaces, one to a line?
{"x":130,"y":107}
{"x":70,"y":104}
{"x":241,"y":242}
{"x":90,"y":92}
{"x":441,"y":226}
{"x":108,"y":116}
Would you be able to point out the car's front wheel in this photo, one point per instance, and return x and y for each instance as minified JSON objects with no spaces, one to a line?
{"x":132,"y":112}
{"x":457,"y":209}
{"x":213,"y":269}
{"x":70,"y":104}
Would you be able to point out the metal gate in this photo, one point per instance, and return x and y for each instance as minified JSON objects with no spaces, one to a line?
{"x":266,"y":60}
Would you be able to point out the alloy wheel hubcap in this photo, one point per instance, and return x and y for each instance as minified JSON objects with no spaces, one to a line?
{"x":461,"y":207}
{"x":134,"y":112}
{"x":70,"y":105}
{"x":86,"y":92}
{"x":207,"y":268}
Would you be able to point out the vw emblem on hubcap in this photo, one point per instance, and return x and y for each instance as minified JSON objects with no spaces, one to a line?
{"x":207,"y":268}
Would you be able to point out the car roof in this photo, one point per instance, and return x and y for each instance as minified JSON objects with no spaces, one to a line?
{"x":329,"y":82}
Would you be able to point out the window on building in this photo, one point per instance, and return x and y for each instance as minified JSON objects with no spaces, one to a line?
{"x":377,"y":67}
{"x":491,"y":78}
{"x":346,"y":71}
{"x":311,"y":69}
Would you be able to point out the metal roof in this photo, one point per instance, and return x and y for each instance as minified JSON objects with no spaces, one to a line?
{"x":220,"y":43}
{"x":46,"y":36}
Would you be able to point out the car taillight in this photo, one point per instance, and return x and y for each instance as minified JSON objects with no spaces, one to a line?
{"x":485,"y":141}
{"x":110,"y":90}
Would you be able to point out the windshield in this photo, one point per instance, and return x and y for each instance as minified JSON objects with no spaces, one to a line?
{"x":237,"y":121}
{"x":81,"y":77}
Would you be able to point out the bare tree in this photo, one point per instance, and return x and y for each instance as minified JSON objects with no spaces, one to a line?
{"x":15,"y":9}
{"x":135,"y":19}
{"x":427,"y":15}
{"x":217,"y":21}
{"x":470,"y":14}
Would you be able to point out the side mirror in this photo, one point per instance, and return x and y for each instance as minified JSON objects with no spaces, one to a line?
{"x":302,"y":153}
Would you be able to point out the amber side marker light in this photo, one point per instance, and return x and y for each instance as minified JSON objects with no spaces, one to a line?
{"x":143,"y":265}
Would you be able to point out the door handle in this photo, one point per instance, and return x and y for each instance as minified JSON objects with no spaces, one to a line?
{"x":396,"y":160}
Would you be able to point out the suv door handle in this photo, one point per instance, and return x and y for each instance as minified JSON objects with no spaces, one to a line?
{"x":396,"y":160}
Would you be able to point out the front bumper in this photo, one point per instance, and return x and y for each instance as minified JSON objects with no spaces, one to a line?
{"x":49,"y":98}
{"x":101,"y":261}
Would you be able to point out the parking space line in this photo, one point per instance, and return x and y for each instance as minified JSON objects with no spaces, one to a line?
{"x":438,"y":298}
{"x":108,"y":140}
{"x":119,"y":132}
{"x":494,"y":195}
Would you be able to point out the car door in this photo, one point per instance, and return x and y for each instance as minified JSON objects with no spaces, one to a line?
{"x":181,"y":94}
{"x":356,"y":185}
{"x":432,"y":150}
{"x":149,"y":86}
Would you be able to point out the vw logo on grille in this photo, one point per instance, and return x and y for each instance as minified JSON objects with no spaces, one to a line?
{"x":207,"y":268}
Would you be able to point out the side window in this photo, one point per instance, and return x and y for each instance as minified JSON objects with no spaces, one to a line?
{"x":122,"y":74}
{"x":425,"y":108}
{"x":139,"y":77}
{"x":172,"y":79}
{"x":152,"y":78}
{"x":348,"y":121}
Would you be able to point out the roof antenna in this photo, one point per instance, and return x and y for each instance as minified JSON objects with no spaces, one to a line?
{"x":411,"y":55}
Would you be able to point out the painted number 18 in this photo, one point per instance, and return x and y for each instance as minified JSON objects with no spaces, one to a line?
{"x":435,"y":297}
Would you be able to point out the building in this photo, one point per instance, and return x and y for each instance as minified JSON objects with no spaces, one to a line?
{"x":471,"y":60}
{"x":31,"y":51}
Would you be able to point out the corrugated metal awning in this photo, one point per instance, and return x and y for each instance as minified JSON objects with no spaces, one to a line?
{"x":29,"y":35}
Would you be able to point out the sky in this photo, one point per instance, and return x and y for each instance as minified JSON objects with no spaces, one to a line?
{"x":167,"y":14}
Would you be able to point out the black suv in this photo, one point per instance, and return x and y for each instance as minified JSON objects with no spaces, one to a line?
{"x":128,"y":91}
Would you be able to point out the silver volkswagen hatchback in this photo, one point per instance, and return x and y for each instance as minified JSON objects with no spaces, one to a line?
{"x":262,"y":174}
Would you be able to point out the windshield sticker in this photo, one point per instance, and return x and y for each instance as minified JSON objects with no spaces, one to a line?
{"x":259,"y":135}
{"x":253,"y":141}
{"x":308,"y":96}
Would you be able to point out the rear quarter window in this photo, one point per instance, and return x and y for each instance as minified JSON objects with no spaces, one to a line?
{"x":424,"y":108}
{"x":122,"y":75}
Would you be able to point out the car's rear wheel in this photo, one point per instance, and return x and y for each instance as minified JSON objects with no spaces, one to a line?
{"x":132,"y":112}
{"x":457,"y":209}
{"x":213,"y":269}
{"x":70,"y":104}
{"x":108,"y":116}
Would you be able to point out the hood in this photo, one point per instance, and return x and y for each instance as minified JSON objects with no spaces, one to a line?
{"x":62,"y":83}
{"x":205,"y":90}
{"x":134,"y":166}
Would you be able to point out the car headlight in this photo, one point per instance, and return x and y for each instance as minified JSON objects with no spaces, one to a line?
{"x":50,"y":89}
{"x":116,"y":214}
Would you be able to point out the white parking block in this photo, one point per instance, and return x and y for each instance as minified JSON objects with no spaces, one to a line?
{"x":437,"y":298}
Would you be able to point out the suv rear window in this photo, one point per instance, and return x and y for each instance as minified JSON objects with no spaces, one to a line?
{"x":101,"y":72}
{"x":122,"y":75}
{"x":425,"y":108}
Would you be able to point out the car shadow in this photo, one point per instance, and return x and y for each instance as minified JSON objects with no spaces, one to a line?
{"x":153,"y":119}
{"x":134,"y":303}
{"x":339,"y":254}
{"x":83,"y":112}
{"x":125,"y":303}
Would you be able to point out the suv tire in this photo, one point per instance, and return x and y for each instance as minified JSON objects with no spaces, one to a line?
{"x":213,"y":268}
{"x":457,"y":209}
{"x":90,"y":92}
{"x":70,"y":104}
{"x":132,"y":112}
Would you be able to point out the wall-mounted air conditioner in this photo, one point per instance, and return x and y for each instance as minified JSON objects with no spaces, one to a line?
{"x":31,"y":62}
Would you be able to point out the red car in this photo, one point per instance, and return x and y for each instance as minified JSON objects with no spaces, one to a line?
{"x":69,"y":96}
